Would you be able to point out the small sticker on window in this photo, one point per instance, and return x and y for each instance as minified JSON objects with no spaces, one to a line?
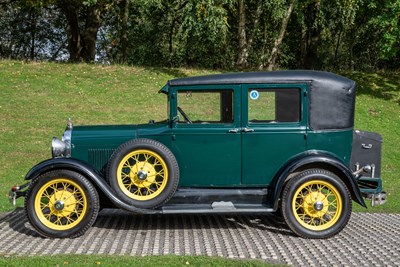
{"x":254,"y":95}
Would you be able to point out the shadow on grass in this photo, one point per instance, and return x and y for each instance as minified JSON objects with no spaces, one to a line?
{"x":385,"y":86}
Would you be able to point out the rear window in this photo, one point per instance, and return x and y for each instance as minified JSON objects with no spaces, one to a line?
{"x":274,"y":105}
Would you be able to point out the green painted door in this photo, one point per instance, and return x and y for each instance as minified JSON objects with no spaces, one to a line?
{"x":273,"y":129}
{"x":206,"y":139}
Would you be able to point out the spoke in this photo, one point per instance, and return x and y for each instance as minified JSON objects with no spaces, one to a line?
{"x":127,"y":164}
{"x":309,"y":189}
{"x":58,"y":221}
{"x":79,"y":202}
{"x":302,"y":216}
{"x":54,"y":187}
{"x":149,"y":191}
{"x":69,"y":220}
{"x":156,"y":162}
{"x":137,"y":192}
{"x":147,"y":157}
{"x":298,"y":206}
{"x":135,"y":158}
{"x":46,"y":194}
{"x":124,"y":176}
{"x":44,"y":205}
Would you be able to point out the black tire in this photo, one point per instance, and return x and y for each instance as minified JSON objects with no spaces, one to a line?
{"x":61,"y":204}
{"x":144,"y":173}
{"x":316,"y":204}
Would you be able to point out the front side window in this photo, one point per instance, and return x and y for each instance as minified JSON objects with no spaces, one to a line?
{"x":205,"y":106}
{"x":273,"y":105}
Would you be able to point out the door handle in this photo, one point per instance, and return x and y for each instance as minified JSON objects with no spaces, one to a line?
{"x":247,"y":130}
{"x":366,"y":146}
{"x":233,"y":130}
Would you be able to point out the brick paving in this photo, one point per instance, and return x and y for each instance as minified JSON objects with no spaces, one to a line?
{"x":370,"y":239}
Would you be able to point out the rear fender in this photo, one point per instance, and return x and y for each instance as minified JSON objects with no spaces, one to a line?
{"x":315,"y":159}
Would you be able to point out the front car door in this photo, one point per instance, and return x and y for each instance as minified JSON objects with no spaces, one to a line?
{"x":273,"y":129}
{"x":206,"y":137}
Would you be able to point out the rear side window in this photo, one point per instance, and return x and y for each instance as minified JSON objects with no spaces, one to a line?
{"x":274,"y":105}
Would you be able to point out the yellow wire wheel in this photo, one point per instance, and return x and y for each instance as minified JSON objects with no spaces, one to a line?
{"x":143,"y":173}
{"x":316,"y":204}
{"x":61,"y":203}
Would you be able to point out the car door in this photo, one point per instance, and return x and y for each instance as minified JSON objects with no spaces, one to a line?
{"x":207,"y":144}
{"x":273,"y":129}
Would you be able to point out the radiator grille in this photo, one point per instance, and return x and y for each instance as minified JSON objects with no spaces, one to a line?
{"x":98,"y":158}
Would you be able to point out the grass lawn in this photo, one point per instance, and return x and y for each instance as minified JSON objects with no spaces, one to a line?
{"x":36,"y":99}
{"x":98,"y":260}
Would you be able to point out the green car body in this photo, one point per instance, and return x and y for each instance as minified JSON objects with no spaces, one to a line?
{"x":243,"y":140}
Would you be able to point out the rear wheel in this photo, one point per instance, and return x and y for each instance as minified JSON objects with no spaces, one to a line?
{"x":316,"y":204}
{"x":61,"y":203}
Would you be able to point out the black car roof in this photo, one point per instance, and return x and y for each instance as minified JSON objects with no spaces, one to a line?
{"x":286,"y":76}
{"x":331,"y":96}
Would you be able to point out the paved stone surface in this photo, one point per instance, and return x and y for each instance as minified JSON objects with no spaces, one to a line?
{"x":368,"y":240}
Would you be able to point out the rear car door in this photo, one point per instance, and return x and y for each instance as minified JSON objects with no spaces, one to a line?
{"x":273,"y":129}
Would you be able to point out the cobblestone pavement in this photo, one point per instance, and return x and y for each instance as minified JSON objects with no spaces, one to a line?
{"x":370,"y":239}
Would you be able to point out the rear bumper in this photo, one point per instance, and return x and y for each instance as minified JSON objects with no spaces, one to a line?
{"x":376,"y":199}
{"x":371,"y":189}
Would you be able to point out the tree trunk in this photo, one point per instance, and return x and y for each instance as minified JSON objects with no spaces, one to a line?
{"x":124,"y":31}
{"x":89,"y":35}
{"x":278,"y":41}
{"x":33,"y":32}
{"x":243,"y":49}
{"x":81,"y":44}
{"x":313,"y":36}
{"x":73,"y":32}
{"x":335,"y":59}
{"x":257,"y":16}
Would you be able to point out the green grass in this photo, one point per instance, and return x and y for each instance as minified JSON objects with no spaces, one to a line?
{"x":36,"y":99}
{"x":97,"y":260}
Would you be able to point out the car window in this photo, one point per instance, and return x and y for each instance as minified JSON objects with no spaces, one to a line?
{"x":273,"y":105}
{"x":205,"y":106}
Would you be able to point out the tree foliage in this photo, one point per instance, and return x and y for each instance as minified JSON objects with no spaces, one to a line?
{"x":255,"y":34}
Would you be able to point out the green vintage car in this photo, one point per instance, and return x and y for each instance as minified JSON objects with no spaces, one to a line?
{"x":260,"y":142}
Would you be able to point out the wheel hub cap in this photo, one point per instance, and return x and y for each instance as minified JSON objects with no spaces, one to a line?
{"x":315,"y":204}
{"x":142,"y":175}
{"x":59,"y":205}
{"x":318,"y":205}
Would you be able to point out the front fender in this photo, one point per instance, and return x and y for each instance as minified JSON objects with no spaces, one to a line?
{"x":91,"y":174}
{"x":321,"y":160}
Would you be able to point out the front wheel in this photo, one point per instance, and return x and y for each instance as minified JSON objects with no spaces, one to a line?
{"x":61,"y":204}
{"x":316,"y":204}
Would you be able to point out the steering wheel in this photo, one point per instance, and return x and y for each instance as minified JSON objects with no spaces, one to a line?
{"x":184,"y":115}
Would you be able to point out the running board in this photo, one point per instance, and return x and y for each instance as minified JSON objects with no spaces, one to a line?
{"x":208,"y":196}
{"x":220,"y":207}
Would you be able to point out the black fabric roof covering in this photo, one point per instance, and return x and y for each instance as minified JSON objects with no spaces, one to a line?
{"x":331,"y":96}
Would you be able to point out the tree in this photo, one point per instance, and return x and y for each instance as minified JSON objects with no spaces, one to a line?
{"x":245,"y":42}
{"x":279,"y":39}
{"x":84,"y":19}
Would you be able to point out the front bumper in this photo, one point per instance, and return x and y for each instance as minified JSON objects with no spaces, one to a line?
{"x":17,"y":192}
